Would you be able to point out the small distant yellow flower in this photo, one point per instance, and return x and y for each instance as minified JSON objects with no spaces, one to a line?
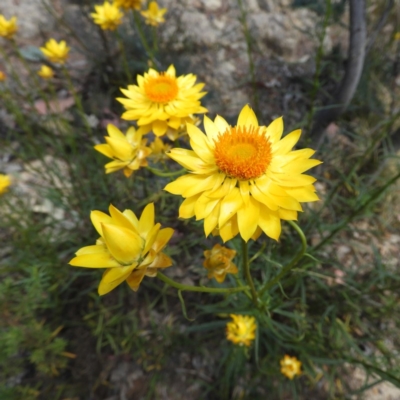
{"x":158,"y":149}
{"x":128,"y":151}
{"x":5,"y":182}
{"x":241,"y":330}
{"x":128,"y":248}
{"x":397,"y":36}
{"x":108,"y":16}
{"x":46,"y":72}
{"x":290,"y":366}
{"x":8,"y":28}
{"x":154,"y":15}
{"x":3,"y":76}
{"x":243,"y":179}
{"x":218,"y":262}
{"x":56,"y":52}
{"x":162,"y":102}
{"x":129,"y":4}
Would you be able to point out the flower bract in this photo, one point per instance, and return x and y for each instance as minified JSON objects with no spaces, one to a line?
{"x":290,"y":366}
{"x":241,"y":330}
{"x":5,"y":182}
{"x":8,"y":28}
{"x":107,"y":16}
{"x":153,"y":15}
{"x":218,"y":262}
{"x":243,"y":179}
{"x":128,"y":248}
{"x":128,"y":151}
{"x":46,"y":72}
{"x":129,"y":4}
{"x":56,"y":52}
{"x":161,"y":101}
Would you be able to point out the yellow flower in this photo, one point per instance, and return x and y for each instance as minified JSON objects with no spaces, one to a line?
{"x":129,"y":4}
{"x":128,"y":151}
{"x":107,"y":16}
{"x":241,"y":330}
{"x":5,"y":182}
{"x":158,"y":149}
{"x":162,"y":102}
{"x":243,"y":179}
{"x":290,"y":366}
{"x":129,"y":248}
{"x":8,"y":28}
{"x":154,"y":15}
{"x":218,"y":262}
{"x":3,"y":76}
{"x":46,"y":72}
{"x":56,"y":52}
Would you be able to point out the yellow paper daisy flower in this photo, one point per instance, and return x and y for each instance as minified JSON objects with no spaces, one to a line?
{"x":56,"y":52}
{"x":290,"y":366}
{"x":242,"y":330}
{"x":154,"y":16}
{"x":218,"y":262}
{"x":244,"y":179}
{"x":128,"y":151}
{"x":162,"y":102}
{"x":46,"y":72}
{"x":5,"y":182}
{"x":108,"y":16}
{"x":3,"y":76}
{"x":8,"y":28}
{"x":129,"y":4}
{"x":129,"y":248}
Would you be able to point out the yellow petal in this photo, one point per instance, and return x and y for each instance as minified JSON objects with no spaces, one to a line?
{"x":114,"y":132}
{"x":186,"y":210}
{"x":98,"y":218}
{"x":247,"y":117}
{"x":105,"y":288}
{"x":221,"y":124}
{"x":270,"y":223}
{"x":120,"y":219}
{"x":210,"y":129}
{"x":163,"y":237}
{"x":248,"y":216}
{"x":200,"y":144}
{"x":302,"y":194}
{"x":104,"y":149}
{"x":288,"y":215}
{"x":96,"y":260}
{"x":161,"y":261}
{"x":146,"y":221}
{"x":230,"y":229}
{"x":121,"y":148}
{"x":132,"y":218}
{"x":114,"y":274}
{"x":300,"y":166}
{"x":151,"y":238}
{"x":159,"y":127}
{"x":97,"y":248}
{"x":124,"y":245}
{"x":287,"y":143}
{"x":135,"y":278}
{"x":211,"y":221}
{"x":230,"y":204}
{"x":275,"y":130}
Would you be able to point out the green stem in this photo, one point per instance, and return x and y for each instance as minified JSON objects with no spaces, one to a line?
{"x":155,"y":39}
{"x":246,"y":271}
{"x":292,"y":263}
{"x":189,"y":288}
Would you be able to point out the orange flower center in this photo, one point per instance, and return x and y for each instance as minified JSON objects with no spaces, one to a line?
{"x":161,"y":89}
{"x":242,"y":152}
